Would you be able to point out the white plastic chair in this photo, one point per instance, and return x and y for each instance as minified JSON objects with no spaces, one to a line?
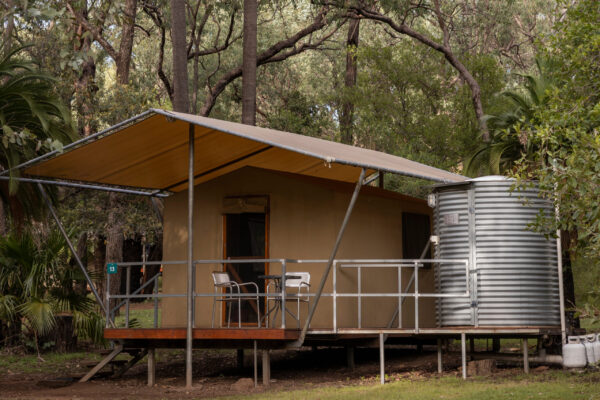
{"x":222,"y":280}
{"x":300,"y":295}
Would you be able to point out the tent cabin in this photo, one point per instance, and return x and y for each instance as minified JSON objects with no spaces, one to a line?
{"x":262,"y":194}
{"x":276,"y":200}
{"x":269,"y":214}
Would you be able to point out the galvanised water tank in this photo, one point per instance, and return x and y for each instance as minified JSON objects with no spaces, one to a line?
{"x":513,"y":275}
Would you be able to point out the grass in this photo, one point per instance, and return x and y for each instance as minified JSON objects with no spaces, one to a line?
{"x":138,"y":318}
{"x":52,"y":362}
{"x":547,"y":386}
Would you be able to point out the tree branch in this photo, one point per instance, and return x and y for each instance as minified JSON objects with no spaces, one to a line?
{"x":267,"y":56}
{"x":96,"y":33}
{"x":448,"y":55}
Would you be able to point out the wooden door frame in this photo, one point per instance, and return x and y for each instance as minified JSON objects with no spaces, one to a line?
{"x":267,"y":245}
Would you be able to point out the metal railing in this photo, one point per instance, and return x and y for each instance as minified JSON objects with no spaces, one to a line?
{"x":338,"y":267}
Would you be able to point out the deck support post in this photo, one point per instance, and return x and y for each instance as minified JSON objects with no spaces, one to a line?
{"x":104,"y":307}
{"x":381,"y":359}
{"x":350,"y":357}
{"x":525,"y":356}
{"x":338,"y":240}
{"x":151,"y":367}
{"x":463,"y":347}
{"x":190,"y":261}
{"x":439,"y":356}
{"x":255,"y":365}
{"x":266,"y":367}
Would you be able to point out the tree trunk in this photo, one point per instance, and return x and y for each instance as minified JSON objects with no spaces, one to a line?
{"x":3,"y":219}
{"x":125,"y":47}
{"x":181,"y":101}
{"x":99,"y":265}
{"x":249,"y":62}
{"x":154,"y":254}
{"x":567,"y":241}
{"x":347,"y":115}
{"x":63,"y":334}
{"x":81,"y":285}
{"x":85,"y":86}
{"x":132,"y":252}
{"x":114,"y":244}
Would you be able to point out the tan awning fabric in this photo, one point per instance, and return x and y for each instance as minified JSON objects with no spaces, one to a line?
{"x":152,"y":153}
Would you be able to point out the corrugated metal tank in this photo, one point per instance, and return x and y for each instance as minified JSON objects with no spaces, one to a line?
{"x":513,"y":270}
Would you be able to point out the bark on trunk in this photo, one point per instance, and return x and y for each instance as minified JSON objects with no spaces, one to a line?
{"x":81,"y":286}
{"x":567,"y":241}
{"x":85,"y":86}
{"x":99,"y":265}
{"x":3,"y":219}
{"x":63,"y":334}
{"x":154,"y":254}
{"x":249,"y":62}
{"x":347,"y":115}
{"x":114,"y":244}
{"x":127,"y":32}
{"x":181,"y":100}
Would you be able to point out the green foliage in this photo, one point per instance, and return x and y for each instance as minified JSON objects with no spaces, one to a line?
{"x":32,"y":119}
{"x":414,"y":108}
{"x":511,"y":129}
{"x":566,"y":134}
{"x":37,"y":282}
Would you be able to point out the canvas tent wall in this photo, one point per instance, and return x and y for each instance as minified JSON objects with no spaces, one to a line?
{"x":304,"y":215}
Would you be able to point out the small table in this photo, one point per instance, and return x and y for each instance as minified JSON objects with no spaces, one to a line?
{"x":276,"y":279}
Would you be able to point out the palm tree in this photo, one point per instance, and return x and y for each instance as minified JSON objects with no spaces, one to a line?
{"x":37,"y":283}
{"x":32,"y":120}
{"x":511,"y":130}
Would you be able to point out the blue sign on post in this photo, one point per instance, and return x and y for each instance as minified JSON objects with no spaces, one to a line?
{"x":111,"y":268}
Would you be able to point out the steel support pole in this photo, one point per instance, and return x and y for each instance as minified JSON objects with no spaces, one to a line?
{"x":255,"y":365}
{"x":338,"y":240}
{"x":463,"y":349}
{"x":75,"y":256}
{"x":151,"y":367}
{"x":381,"y":359}
{"x":190,"y":261}
{"x":127,"y":285}
{"x":439,"y":356}
{"x":525,"y":356}
{"x":561,"y":289}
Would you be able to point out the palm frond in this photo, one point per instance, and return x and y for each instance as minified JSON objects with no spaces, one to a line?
{"x":40,"y":315}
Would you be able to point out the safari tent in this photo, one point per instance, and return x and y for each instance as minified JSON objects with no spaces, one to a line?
{"x":268,"y":208}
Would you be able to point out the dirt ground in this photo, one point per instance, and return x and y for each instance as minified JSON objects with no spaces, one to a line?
{"x":216,"y":374}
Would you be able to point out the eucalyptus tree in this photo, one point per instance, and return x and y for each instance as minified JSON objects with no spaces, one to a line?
{"x":439,"y":25}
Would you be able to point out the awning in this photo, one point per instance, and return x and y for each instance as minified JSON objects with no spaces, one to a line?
{"x":151,"y":152}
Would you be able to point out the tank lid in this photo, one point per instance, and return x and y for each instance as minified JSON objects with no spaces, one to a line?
{"x":492,"y":178}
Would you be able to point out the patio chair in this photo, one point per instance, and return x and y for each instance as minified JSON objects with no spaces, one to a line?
{"x":300,"y":282}
{"x":223,"y":281}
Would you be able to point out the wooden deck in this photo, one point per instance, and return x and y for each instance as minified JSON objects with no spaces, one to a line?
{"x":279,"y":338}
{"x":202,"y":334}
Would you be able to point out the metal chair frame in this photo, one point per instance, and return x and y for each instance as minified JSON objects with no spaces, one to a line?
{"x":299,"y":297}
{"x":222,"y":280}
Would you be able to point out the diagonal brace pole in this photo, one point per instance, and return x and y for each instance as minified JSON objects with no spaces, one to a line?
{"x":334,"y":251}
{"x":75,"y":256}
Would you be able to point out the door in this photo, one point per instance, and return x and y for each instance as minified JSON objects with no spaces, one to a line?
{"x":246,"y":238}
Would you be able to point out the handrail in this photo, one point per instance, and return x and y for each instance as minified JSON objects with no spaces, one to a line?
{"x":358,"y":264}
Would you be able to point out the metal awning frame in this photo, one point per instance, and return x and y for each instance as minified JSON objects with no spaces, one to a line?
{"x":190,"y":230}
